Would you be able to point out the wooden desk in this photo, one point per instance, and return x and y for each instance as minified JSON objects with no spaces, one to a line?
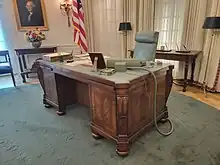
{"x":121,"y":105}
{"x":30,"y":51}
{"x":188,"y":58}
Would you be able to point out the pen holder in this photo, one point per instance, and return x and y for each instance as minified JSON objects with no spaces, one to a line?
{"x":94,"y":67}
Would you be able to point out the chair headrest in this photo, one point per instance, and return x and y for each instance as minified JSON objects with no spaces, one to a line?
{"x":147,"y":37}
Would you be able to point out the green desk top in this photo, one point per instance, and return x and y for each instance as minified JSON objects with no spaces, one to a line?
{"x":118,"y":77}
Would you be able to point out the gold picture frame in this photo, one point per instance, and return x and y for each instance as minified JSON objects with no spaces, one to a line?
{"x":30,"y":14}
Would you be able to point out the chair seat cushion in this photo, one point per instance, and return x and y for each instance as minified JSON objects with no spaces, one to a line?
{"x":5,"y":69}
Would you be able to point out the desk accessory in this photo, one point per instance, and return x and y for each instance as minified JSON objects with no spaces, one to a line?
{"x":129,"y":62}
{"x":61,"y":58}
{"x":150,"y":64}
{"x":70,"y":61}
{"x":100,"y":59}
{"x":95,"y":62}
{"x":164,"y":50}
{"x":177,"y":47}
{"x":54,"y":57}
{"x":159,"y":63}
{"x":166,"y":46}
{"x":120,"y":66}
{"x":183,"y":51}
{"x":107,"y":71}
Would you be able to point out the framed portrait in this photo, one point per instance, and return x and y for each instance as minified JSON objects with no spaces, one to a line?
{"x":30,"y":14}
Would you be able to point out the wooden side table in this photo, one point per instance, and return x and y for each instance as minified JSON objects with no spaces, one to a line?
{"x":188,"y":58}
{"x":21,"y":53}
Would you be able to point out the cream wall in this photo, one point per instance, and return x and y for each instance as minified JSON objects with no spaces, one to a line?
{"x":59,"y":33}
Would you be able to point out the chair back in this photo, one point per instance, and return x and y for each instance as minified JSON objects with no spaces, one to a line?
{"x":4,"y":56}
{"x":146,"y":45}
{"x":5,"y":62}
{"x":5,"y":65}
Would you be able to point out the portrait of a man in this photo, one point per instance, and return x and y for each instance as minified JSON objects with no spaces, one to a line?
{"x":30,"y":14}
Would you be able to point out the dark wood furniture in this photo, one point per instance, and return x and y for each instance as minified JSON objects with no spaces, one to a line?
{"x":21,"y":53}
{"x":121,"y":105}
{"x":6,"y":66}
{"x":188,"y":58}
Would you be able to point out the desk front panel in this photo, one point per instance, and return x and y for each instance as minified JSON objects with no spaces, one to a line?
{"x":141,"y":102}
{"x":103,"y":107}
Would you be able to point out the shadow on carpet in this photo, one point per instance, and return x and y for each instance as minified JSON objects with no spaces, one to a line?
{"x":33,"y":135}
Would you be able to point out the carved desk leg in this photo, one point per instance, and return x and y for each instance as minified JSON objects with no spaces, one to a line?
{"x":61,"y":111}
{"x":41,"y":79}
{"x":96,"y":135}
{"x":122,"y":147}
{"x":46,"y":105}
{"x":61,"y":95}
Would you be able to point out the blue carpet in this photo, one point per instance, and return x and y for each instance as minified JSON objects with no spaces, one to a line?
{"x":33,"y":135}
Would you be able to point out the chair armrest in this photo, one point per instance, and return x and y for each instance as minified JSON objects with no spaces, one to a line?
{"x":4,"y":53}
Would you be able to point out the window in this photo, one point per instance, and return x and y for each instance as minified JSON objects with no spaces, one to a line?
{"x":2,"y":41}
{"x":169,"y":16}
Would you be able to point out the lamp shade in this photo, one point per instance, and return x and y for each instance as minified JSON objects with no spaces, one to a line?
{"x":125,"y":26}
{"x":212,"y":23}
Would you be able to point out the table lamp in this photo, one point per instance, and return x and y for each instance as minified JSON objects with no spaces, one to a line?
{"x":125,"y":27}
{"x":212,"y":23}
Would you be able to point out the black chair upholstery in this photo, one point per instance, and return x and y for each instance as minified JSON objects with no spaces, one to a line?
{"x":5,"y":66}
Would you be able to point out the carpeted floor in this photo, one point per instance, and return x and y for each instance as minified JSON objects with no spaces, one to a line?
{"x":33,"y":135}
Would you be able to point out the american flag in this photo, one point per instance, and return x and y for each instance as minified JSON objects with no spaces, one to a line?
{"x":79,"y":26}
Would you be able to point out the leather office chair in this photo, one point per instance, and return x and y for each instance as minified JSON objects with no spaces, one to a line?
{"x":5,"y":66}
{"x":146,"y":45}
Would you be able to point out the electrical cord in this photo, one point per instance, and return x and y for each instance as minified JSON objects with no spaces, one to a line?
{"x":155,"y":103}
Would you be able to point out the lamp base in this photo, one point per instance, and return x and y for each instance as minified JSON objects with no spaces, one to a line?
{"x":204,"y":89}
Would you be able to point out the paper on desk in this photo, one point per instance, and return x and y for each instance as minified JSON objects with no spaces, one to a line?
{"x":86,"y":62}
{"x":84,"y":58}
{"x":56,"y":54}
{"x":81,"y":55}
{"x":86,"y":55}
{"x":106,"y":57}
